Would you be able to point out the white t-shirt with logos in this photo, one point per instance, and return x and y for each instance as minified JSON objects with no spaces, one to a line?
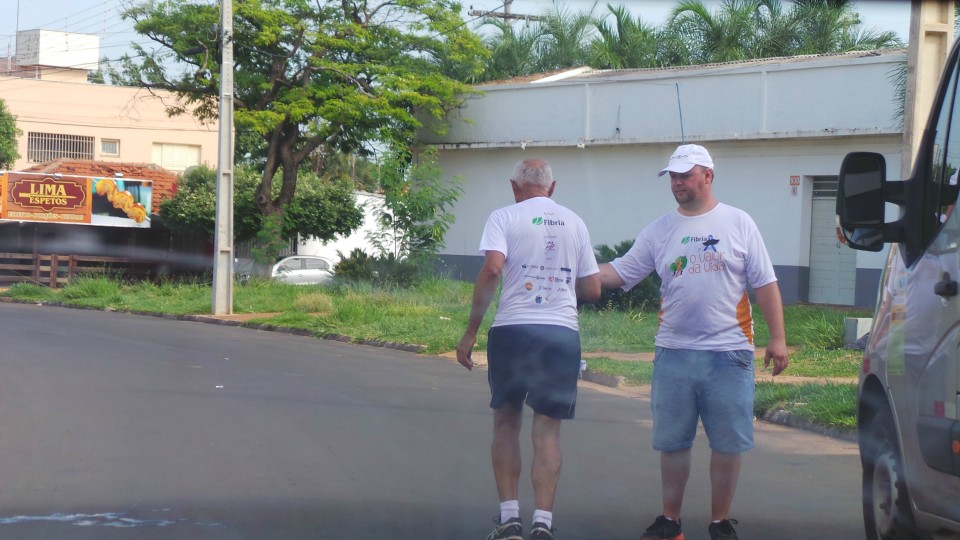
{"x":546,"y":247}
{"x":705,"y":263}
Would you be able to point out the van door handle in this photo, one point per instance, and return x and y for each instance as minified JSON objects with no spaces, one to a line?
{"x":946,"y":286}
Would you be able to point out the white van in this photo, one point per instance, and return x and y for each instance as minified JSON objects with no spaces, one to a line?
{"x":909,"y":392}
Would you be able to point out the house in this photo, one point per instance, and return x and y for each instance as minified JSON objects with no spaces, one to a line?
{"x":75,"y":128}
{"x":63,"y":116}
{"x":777,"y":128}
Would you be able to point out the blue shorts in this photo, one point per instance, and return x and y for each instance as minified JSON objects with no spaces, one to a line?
{"x":714,"y":386}
{"x":534,"y":363}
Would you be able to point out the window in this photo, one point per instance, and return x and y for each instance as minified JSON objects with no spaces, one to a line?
{"x":176,"y":157}
{"x":110,"y":147}
{"x":289,"y":266}
{"x":316,"y":264}
{"x":49,"y":146}
{"x":940,"y":228}
{"x":824,"y":187}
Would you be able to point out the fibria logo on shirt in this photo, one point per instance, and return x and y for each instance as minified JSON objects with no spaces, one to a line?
{"x":546,"y":221}
{"x":708,"y":242}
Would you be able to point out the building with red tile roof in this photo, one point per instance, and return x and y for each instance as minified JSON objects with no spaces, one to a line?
{"x":164,"y":181}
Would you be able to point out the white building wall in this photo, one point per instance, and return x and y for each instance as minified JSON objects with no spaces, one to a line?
{"x":370,"y":203}
{"x":607,"y":135}
{"x":135,"y":117}
{"x":617,"y":191}
{"x":820,"y":96}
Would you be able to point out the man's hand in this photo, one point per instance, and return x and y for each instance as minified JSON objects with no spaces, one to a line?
{"x":776,"y":351}
{"x":465,"y":350}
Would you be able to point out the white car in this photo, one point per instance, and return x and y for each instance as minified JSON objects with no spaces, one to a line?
{"x":303,"y":270}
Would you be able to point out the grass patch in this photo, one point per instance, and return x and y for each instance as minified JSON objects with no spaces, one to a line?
{"x":829,"y":405}
{"x":32,"y":292}
{"x":809,"y":362}
{"x":609,"y":330}
{"x":634,"y":373}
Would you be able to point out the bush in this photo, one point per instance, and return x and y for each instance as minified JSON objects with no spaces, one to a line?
{"x":644,"y":296}
{"x":386,"y":270}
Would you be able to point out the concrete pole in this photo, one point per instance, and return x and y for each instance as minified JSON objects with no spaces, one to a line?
{"x":931,"y":36}
{"x":223,"y":242}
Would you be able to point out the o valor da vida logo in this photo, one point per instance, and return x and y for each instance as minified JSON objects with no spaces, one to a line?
{"x":706,"y":255}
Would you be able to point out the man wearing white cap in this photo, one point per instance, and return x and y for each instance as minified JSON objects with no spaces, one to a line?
{"x":706,"y":254}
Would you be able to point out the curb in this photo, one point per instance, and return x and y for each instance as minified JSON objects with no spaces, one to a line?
{"x":211,"y":319}
{"x":612,"y":381}
{"x":773,"y":416}
{"x":784,"y":418}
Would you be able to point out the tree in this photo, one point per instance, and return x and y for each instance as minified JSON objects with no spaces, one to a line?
{"x":834,"y":26}
{"x":8,"y":137}
{"x":745,"y":29}
{"x":627,"y":43}
{"x":726,"y":35}
{"x":738,"y":30}
{"x":333,"y":166}
{"x":565,"y":38}
{"x":320,"y":209}
{"x":416,"y":212}
{"x":512,"y":53}
{"x":312,"y":73}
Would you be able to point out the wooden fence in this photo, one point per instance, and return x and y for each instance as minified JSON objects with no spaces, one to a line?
{"x":54,"y":270}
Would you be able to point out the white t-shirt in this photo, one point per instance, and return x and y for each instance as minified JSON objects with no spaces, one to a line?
{"x":705,"y":263}
{"x":546,"y":247}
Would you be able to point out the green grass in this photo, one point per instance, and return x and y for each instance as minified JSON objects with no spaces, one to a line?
{"x":634,"y":372}
{"x":808,"y":362}
{"x":829,"y":405}
{"x":602,"y":331}
{"x":434,"y":314}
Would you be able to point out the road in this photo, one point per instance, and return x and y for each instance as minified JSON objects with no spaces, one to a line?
{"x":116,"y":426}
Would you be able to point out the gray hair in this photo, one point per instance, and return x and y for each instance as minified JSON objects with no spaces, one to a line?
{"x":534,"y":172}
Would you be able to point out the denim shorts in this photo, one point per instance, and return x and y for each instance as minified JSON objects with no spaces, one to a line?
{"x":534,"y":363}
{"x":715,"y":386}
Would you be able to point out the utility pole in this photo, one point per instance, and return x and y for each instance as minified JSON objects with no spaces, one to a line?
{"x":506,"y":15}
{"x":223,"y":242}
{"x":931,"y":35}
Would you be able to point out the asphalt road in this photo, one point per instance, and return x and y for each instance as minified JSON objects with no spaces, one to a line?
{"x":115,"y":426}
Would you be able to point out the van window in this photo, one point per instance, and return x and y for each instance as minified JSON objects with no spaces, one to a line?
{"x":940,"y":193}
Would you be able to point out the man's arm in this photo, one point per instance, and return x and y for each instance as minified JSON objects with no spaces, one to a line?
{"x":588,"y":288}
{"x":609,"y":278}
{"x":771,"y":304}
{"x":483,"y":291}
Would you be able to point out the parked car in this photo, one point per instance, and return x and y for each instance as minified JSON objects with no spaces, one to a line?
{"x":908,"y":403}
{"x":303,"y":270}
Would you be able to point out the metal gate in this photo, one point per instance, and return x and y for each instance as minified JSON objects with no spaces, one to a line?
{"x":833,"y":266}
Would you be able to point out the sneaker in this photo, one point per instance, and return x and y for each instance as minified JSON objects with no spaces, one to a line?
{"x":663,"y":529}
{"x":723,"y":530}
{"x":541,"y":532}
{"x":512,"y":529}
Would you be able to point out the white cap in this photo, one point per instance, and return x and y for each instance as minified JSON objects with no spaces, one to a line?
{"x":685,"y":157}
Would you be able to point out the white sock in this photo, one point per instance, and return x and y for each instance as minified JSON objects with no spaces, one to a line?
{"x":508,"y":510}
{"x":542,"y":516}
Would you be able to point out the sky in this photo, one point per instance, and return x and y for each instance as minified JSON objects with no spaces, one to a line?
{"x":101,"y":17}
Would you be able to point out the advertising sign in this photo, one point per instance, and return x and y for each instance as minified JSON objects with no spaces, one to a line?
{"x":55,"y":198}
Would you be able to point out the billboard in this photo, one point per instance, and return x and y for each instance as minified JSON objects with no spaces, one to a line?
{"x":56,"y":198}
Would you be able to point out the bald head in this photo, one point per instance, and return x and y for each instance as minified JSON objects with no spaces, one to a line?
{"x":533,"y":173}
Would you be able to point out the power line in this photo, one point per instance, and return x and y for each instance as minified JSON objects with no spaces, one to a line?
{"x":506,"y":15}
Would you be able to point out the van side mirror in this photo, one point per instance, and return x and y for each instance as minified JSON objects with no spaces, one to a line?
{"x":860,"y":200}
